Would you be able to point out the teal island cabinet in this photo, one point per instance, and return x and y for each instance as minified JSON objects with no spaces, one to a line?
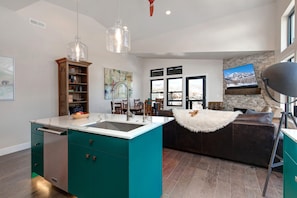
{"x":36,"y":150}
{"x":103,"y":162}
{"x":102,"y":166}
{"x":290,"y":163}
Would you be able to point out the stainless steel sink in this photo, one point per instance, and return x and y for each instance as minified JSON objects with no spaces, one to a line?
{"x":118,"y":126}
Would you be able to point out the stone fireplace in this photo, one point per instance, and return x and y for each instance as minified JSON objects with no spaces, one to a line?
{"x":250,"y":101}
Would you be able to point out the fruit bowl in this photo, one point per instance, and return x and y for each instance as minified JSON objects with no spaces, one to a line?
{"x":79,"y":115}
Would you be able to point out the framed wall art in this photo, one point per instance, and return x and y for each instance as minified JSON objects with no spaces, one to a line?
{"x":6,"y":78}
{"x":113,"y":77}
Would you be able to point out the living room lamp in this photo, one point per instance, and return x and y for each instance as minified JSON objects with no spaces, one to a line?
{"x":118,"y":37}
{"x":282,"y":78}
{"x":76,"y":50}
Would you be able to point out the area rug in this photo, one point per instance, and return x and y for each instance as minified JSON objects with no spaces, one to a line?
{"x":204,"y":120}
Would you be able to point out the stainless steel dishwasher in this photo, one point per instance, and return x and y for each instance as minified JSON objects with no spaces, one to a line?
{"x":55,"y":152}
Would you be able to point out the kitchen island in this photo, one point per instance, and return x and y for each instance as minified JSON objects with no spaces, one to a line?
{"x":88,"y":161}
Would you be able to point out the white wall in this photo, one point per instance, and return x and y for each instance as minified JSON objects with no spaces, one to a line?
{"x":36,"y":81}
{"x":212,"y":69}
{"x":282,"y":50}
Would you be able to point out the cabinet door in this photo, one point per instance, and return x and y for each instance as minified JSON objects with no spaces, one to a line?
{"x":290,"y":168}
{"x":290,"y":177}
{"x":37,"y":144}
{"x":111,"y":145}
{"x":96,"y":174}
{"x":36,"y":165}
{"x":290,"y":147}
{"x":36,"y":150}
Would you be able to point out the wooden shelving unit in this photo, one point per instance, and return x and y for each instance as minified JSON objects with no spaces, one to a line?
{"x":73,"y":85}
{"x":243,"y":91}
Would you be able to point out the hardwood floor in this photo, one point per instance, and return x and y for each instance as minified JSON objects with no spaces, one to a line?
{"x":185,"y":175}
{"x":16,"y":182}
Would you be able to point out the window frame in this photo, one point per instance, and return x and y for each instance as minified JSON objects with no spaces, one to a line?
{"x":167,"y":92}
{"x":151,"y":88}
{"x":291,"y":27}
{"x":176,"y":70}
{"x":157,"y":72}
{"x":290,"y":108}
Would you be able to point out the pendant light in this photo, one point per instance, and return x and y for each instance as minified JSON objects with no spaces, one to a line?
{"x":118,"y":38}
{"x":76,"y":50}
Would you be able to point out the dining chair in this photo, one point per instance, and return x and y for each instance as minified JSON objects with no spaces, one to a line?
{"x":125,"y":103}
{"x":136,"y":102}
{"x":148,"y":107}
{"x":161,"y":103}
{"x":117,"y":107}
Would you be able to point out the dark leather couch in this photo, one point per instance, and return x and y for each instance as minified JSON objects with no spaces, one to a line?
{"x":244,"y":140}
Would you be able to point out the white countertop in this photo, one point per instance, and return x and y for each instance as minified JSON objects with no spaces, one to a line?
{"x":68,"y":122}
{"x":291,"y":133}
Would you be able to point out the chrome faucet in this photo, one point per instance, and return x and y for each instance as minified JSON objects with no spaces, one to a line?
{"x":128,"y":105}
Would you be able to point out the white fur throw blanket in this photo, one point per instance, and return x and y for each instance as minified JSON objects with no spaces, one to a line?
{"x":205,"y":120}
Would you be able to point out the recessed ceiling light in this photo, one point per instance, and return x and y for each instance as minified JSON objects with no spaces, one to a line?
{"x":168,"y":12}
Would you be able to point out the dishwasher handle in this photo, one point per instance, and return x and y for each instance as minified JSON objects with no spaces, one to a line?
{"x":51,"y":131}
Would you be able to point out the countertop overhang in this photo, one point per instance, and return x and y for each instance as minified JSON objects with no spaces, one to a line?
{"x":292,"y":133}
{"x":67,"y":122}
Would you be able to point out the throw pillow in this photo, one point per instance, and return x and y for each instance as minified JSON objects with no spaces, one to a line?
{"x":262,"y":117}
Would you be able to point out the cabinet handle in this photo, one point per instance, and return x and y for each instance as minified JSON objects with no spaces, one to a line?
{"x":37,"y":144}
{"x":91,"y":141}
{"x":87,"y":156}
{"x":35,"y":164}
{"x":295,"y":178}
{"x":94,"y":158}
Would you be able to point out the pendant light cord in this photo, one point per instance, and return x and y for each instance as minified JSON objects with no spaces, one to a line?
{"x":118,"y":10}
{"x":77,"y":18}
{"x":77,"y":51}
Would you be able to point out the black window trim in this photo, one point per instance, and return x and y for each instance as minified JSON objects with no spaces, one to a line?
{"x":175,"y":69}
{"x":167,"y":92}
{"x":289,"y":28}
{"x":161,"y":70}
{"x":151,"y":85}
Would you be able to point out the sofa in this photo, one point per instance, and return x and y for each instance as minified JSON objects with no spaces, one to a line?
{"x":248,"y":139}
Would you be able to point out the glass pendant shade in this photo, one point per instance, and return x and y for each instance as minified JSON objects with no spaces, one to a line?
{"x":77,"y":51}
{"x":118,"y":38}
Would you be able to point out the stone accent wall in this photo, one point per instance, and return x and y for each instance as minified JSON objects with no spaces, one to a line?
{"x":256,"y":102}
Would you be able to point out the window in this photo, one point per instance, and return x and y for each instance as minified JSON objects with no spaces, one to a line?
{"x":157,"y":89}
{"x":174,"y":70}
{"x":157,"y":72}
{"x":174,"y":91}
{"x":291,"y":99}
{"x":291,"y":27}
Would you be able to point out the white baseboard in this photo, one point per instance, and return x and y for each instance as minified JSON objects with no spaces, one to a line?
{"x":15,"y":148}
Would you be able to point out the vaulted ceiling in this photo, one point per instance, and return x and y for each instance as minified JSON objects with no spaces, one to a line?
{"x":135,"y":13}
